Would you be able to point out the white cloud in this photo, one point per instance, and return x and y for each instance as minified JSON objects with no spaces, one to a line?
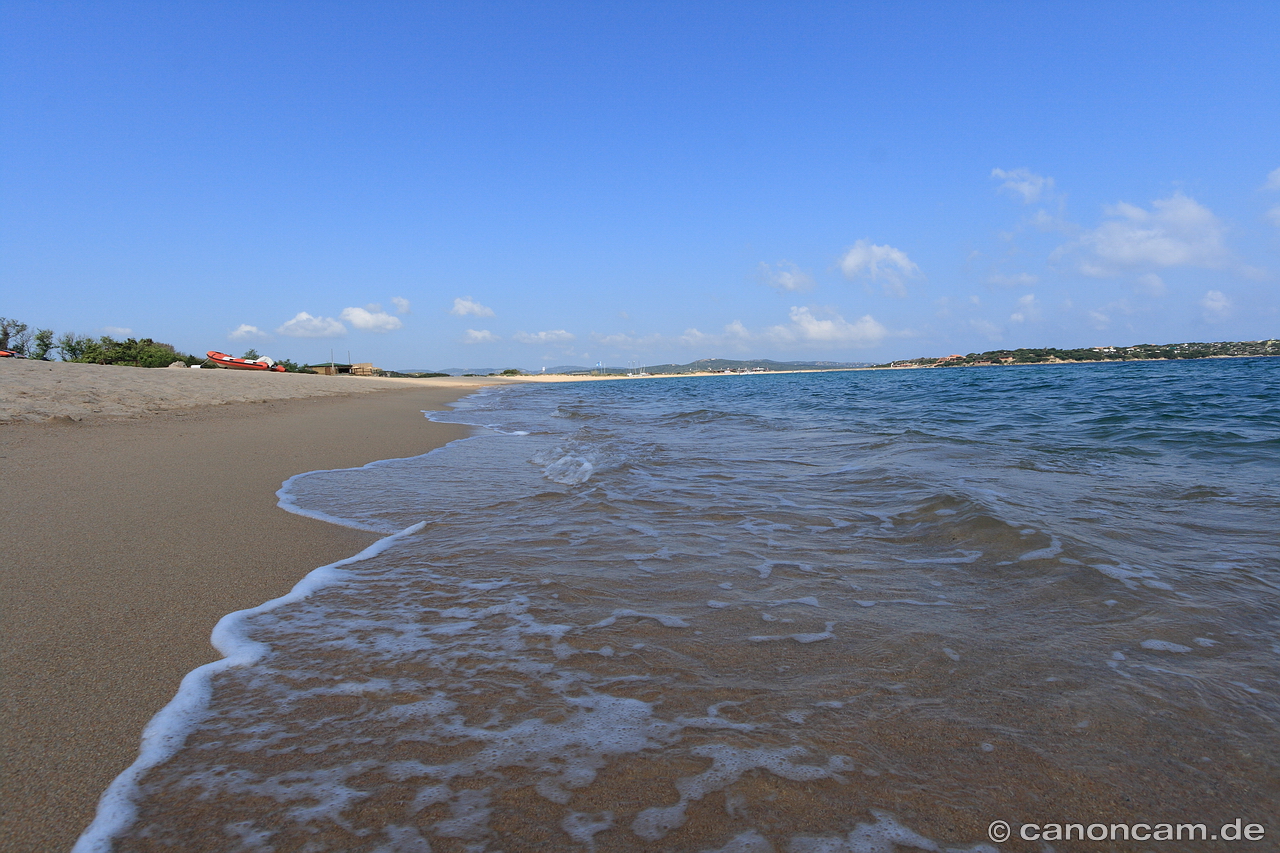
{"x":371,"y":318}
{"x":552,"y":337}
{"x":1217,"y":305}
{"x":694,"y":337}
{"x":1274,"y":215}
{"x":117,"y":331}
{"x":1099,"y":320}
{"x":733,"y":335}
{"x":303,"y":325}
{"x":879,"y":263}
{"x":1022,"y":279}
{"x":1178,"y":231}
{"x":479,"y":336}
{"x":1025,"y":183}
{"x":1028,"y":310}
{"x":245,"y":332}
{"x":1151,"y":284}
{"x":785,"y":276}
{"x":805,"y":326}
{"x":402,"y":304}
{"x":621,"y":340}
{"x":987,"y":329}
{"x":464,"y":305}
{"x":1045,"y":221}
{"x":1273,"y":181}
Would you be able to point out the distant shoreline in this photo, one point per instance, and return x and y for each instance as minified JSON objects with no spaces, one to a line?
{"x":1186,"y":351}
{"x":1055,"y":361}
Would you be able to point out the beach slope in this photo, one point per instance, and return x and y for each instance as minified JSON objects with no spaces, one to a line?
{"x":126,"y":534}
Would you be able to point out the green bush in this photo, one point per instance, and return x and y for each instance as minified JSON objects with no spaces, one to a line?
{"x":131,"y":352}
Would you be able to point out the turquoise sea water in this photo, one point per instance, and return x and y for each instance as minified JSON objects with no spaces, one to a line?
{"x":844,"y":611}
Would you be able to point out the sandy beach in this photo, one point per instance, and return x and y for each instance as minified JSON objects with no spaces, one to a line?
{"x":140,"y":509}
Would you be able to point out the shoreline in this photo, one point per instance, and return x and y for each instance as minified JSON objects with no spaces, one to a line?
{"x":126,"y":540}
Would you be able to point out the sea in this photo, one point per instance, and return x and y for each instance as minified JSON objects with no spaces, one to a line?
{"x":860,"y":611}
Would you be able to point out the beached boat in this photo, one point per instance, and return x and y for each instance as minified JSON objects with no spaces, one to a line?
{"x":222,"y":359}
{"x":7,"y":353}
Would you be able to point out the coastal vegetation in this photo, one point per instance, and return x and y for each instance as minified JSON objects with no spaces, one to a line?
{"x":40,"y":344}
{"x":132,"y":352}
{"x":1138,"y":352}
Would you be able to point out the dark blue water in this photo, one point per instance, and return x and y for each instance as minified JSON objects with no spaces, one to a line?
{"x":842,"y":611}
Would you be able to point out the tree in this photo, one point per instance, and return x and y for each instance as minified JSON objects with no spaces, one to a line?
{"x":71,"y":347}
{"x":41,"y":344}
{"x":14,"y":336}
{"x":251,"y":355}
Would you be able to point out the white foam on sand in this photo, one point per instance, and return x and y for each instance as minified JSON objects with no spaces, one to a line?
{"x":167,"y":731}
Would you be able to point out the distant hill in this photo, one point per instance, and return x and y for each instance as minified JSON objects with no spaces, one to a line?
{"x":1138,"y":352}
{"x":1044,"y":355}
{"x":711,"y":365}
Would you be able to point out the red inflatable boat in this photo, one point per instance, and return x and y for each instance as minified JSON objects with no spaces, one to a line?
{"x":223,"y":360}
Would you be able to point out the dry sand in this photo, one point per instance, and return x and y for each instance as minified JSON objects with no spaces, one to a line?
{"x":128,"y":533}
{"x":36,"y":391}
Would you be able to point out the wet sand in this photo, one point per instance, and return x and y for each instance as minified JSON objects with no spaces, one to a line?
{"x":122,"y":543}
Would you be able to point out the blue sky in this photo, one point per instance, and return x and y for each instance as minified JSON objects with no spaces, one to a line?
{"x":527,"y":184}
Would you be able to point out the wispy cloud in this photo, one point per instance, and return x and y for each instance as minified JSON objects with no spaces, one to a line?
{"x":1273,"y":181}
{"x":1022,"y":279}
{"x":829,"y":328}
{"x":1151,"y":284}
{"x":785,"y":276}
{"x":479,"y":336}
{"x":303,"y":325}
{"x":1177,"y":231}
{"x":806,"y":325}
{"x":1217,"y":306}
{"x":464,"y":305}
{"x":1101,"y":318}
{"x":555,"y":336}
{"x":1028,"y":310}
{"x":402,"y":304}
{"x":987,"y":329}
{"x":245,"y":332}
{"x":117,"y":331}
{"x":1025,"y":183}
{"x":621,"y":340}
{"x":371,"y":318}
{"x":885,"y":264}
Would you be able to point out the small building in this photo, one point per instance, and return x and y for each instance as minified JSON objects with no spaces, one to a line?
{"x":330,"y":368}
{"x":335,"y":369}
